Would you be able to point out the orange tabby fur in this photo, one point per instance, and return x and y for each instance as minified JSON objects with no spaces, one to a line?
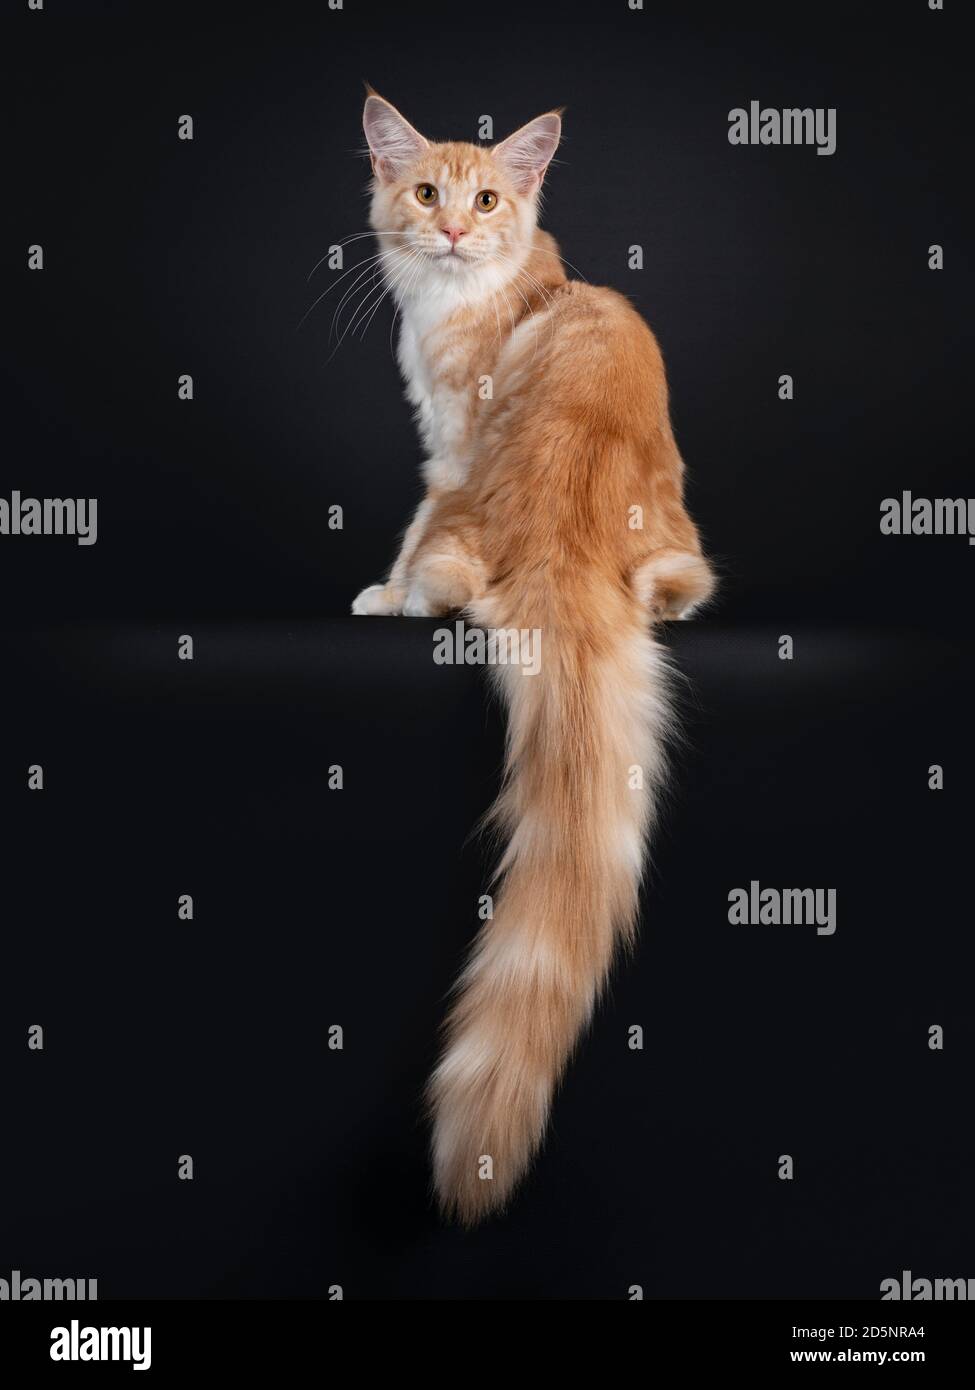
{"x":528,"y":524}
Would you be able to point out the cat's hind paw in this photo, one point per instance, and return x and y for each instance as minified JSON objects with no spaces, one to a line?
{"x":378,"y":600}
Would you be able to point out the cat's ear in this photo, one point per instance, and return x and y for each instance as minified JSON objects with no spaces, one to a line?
{"x":393,"y":143}
{"x":526,"y":154}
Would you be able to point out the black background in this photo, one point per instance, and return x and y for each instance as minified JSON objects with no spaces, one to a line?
{"x":165,"y":256}
{"x":316,"y":907}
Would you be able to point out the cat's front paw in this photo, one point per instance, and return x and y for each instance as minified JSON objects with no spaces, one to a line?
{"x":378,"y":600}
{"x":417,"y":605}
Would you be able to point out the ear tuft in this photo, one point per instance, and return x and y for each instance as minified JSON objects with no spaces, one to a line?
{"x":393,"y":142}
{"x":526,"y":154}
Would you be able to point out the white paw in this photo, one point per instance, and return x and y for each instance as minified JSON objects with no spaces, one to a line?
{"x":378,"y":600}
{"x":416,"y":605}
{"x":686,"y":613}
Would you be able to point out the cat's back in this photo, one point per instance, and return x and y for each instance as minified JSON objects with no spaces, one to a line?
{"x":604,"y":312}
{"x":576,"y":305}
{"x":590,"y":344}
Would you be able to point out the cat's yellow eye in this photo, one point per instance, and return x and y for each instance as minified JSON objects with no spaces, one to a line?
{"x":486,"y":200}
{"x":426,"y":194}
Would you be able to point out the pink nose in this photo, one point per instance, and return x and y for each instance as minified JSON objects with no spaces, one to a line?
{"x":454,"y":234}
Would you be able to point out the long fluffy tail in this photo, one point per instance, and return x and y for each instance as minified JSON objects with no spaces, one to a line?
{"x":585,"y":759}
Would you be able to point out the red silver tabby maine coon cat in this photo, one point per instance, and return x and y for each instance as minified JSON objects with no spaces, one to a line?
{"x":535,"y":491}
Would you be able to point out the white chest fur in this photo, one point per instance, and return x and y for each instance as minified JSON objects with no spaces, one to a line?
{"x":442,"y":408}
{"x":440,"y":384}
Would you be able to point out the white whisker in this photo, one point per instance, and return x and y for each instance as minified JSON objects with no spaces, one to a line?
{"x":357,"y":236}
{"x":358,"y":266}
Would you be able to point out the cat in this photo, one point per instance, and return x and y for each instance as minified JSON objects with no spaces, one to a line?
{"x":554,"y":502}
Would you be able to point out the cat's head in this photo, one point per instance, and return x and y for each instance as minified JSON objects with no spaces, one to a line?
{"x":455,"y":209}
